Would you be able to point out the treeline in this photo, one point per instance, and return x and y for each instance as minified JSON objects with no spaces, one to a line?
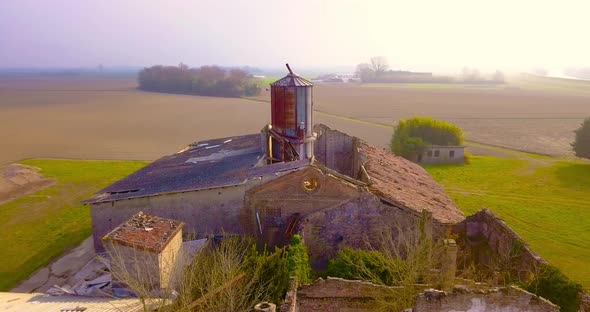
{"x":205,"y":80}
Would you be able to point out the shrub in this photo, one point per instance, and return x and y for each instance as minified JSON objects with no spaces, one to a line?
{"x":581,"y":143}
{"x":412,"y":136}
{"x":551,"y":284}
{"x":298,"y":260}
{"x":232,"y":276}
{"x":373,"y":266}
{"x":270,"y":273}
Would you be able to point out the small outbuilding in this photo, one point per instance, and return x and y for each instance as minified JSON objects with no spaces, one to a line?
{"x":442,"y":154}
{"x":144,"y":250}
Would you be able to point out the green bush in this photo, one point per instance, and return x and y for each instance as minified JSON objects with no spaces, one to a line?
{"x":551,"y":284}
{"x":581,"y":143}
{"x":298,"y":260}
{"x":412,"y":136}
{"x":371,"y":266}
{"x":270,"y":271}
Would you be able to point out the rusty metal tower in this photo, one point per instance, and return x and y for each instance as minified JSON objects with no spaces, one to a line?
{"x":290,"y":135}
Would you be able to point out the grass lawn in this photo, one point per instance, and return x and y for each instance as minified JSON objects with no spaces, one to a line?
{"x":40,"y":226}
{"x":545,"y":200}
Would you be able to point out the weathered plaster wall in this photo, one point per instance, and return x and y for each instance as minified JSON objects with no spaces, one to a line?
{"x":487,"y":241}
{"x":131,"y":266}
{"x":444,"y":155}
{"x":509,"y":299}
{"x":211,"y":211}
{"x":168,"y":260}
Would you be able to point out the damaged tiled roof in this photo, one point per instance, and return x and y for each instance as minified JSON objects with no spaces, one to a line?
{"x":202,"y":165}
{"x":407,"y":184}
{"x":145,"y":232}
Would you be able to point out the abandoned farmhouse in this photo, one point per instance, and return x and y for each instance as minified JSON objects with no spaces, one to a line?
{"x":294,"y":177}
{"x":291,"y":177}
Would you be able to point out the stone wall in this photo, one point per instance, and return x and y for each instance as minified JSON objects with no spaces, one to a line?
{"x":361,"y":223}
{"x":500,"y":299}
{"x":335,"y":294}
{"x":365,"y":222}
{"x":486,"y":241}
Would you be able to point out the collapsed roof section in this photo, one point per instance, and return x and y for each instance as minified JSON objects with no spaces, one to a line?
{"x":145,"y":232}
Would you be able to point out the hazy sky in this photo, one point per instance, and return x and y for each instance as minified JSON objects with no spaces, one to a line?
{"x":412,"y":34}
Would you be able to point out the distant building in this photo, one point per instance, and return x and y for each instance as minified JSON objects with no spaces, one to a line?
{"x":441,"y":154}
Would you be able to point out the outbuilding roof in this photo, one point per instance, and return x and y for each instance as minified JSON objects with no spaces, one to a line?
{"x":145,"y":232}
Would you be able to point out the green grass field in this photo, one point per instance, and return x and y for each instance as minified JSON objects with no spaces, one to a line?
{"x":542,"y":198}
{"x":39,"y":227}
{"x":545,"y":200}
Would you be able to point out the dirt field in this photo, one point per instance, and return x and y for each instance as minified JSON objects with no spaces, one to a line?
{"x":108,"y":119}
{"x":530,"y":120}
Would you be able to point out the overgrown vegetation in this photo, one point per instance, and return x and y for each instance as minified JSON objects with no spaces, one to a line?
{"x":233,"y":275}
{"x":373,"y":266}
{"x":298,"y":260}
{"x":553,"y":285}
{"x":205,"y":80}
{"x":405,"y":258}
{"x":412,"y":136}
{"x":39,"y":227}
{"x":581,"y":143}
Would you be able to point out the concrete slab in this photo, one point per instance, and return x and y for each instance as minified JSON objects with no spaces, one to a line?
{"x":53,"y":280}
{"x":36,"y":280}
{"x":74,"y":260}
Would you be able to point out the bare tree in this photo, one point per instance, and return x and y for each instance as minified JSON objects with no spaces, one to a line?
{"x":498,"y":76}
{"x":379,"y":65}
{"x":365,"y":72}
